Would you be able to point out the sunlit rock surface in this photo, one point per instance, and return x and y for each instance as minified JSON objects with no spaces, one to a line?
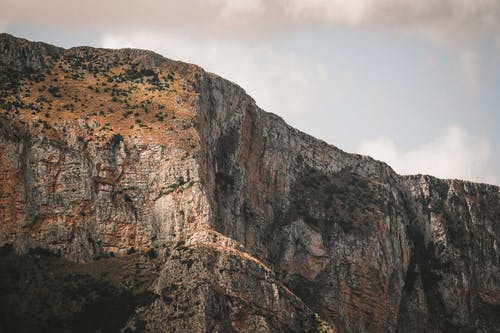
{"x":150,"y":188}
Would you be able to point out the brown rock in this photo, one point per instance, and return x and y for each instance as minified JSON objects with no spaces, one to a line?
{"x":249,"y":225}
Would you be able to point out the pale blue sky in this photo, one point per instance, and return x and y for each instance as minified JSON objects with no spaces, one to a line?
{"x":417,"y":86}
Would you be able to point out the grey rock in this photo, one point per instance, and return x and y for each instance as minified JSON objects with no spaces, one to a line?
{"x":268,"y":229}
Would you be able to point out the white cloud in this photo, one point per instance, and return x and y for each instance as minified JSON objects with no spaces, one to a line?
{"x":234,"y":7}
{"x":444,"y":21}
{"x":279,"y":83}
{"x":454,"y":154}
{"x":455,"y":22}
{"x":469,"y":62}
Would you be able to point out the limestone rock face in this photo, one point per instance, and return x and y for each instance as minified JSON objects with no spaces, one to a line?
{"x":452,"y":280}
{"x":225,"y":216}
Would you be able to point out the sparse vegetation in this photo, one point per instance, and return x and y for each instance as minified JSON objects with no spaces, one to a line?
{"x":54,"y":91}
{"x":344,"y":198}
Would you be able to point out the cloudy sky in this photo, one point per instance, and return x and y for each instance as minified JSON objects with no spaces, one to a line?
{"x":413,"y":83}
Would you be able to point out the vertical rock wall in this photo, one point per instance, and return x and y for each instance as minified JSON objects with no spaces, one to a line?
{"x":241,"y":208}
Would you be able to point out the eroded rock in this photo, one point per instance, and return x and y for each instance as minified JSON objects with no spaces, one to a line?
{"x":253,"y":226}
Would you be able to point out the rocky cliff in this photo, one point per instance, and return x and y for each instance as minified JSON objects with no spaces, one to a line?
{"x":143,"y":194}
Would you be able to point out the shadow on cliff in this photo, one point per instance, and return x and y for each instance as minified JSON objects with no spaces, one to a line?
{"x":44,"y":293}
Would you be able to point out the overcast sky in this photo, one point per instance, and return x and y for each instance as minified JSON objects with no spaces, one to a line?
{"x":413,"y":83}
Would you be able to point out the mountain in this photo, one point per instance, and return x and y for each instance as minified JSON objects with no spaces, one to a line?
{"x":141,"y":194}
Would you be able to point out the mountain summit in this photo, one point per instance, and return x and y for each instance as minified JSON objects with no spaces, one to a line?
{"x":141,"y":194}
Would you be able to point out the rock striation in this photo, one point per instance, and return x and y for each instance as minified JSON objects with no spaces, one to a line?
{"x":156,"y":183}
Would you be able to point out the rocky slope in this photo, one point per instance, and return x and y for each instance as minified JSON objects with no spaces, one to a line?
{"x":161,"y":194}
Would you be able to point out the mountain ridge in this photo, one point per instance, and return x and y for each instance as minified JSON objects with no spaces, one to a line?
{"x":6,"y":36}
{"x":133,"y":154}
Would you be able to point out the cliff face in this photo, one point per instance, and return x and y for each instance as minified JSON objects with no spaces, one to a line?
{"x":452,"y":280}
{"x":229,"y":219}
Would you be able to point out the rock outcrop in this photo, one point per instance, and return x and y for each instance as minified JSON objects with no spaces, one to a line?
{"x":204,"y":213}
